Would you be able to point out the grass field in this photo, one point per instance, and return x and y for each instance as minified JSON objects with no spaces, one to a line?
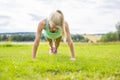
{"x":93,"y":62}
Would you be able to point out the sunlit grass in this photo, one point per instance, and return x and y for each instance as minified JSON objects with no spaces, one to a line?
{"x":93,"y":62}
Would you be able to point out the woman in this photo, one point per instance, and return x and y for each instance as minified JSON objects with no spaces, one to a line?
{"x":55,"y":29}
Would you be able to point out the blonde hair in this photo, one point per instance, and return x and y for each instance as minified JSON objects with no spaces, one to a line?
{"x":57,"y":18}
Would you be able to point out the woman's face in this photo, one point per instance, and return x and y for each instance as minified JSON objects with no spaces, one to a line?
{"x":53,"y":28}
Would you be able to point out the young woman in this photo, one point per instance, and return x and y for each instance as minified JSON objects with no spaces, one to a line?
{"x":55,"y":29}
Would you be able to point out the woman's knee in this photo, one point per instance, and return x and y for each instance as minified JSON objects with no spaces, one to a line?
{"x":49,"y":40}
{"x":58,"y":39}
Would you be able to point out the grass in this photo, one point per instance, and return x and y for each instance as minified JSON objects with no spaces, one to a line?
{"x":93,"y":62}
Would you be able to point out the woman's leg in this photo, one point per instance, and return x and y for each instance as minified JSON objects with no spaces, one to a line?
{"x":50,"y":42}
{"x":51,"y":46}
{"x":57,"y":42}
{"x":55,"y":46}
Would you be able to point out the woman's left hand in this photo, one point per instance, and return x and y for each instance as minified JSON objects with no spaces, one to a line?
{"x":73,"y":59}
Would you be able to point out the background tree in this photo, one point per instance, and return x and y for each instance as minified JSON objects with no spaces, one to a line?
{"x":111,"y":36}
{"x":78,"y":38}
{"x":118,"y":30}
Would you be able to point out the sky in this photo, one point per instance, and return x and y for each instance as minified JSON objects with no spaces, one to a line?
{"x":83,"y":16}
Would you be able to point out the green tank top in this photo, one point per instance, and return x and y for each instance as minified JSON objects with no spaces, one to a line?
{"x":51,"y":35}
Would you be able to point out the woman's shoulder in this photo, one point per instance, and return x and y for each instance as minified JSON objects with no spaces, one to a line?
{"x":66,"y":24}
{"x":42,"y":23}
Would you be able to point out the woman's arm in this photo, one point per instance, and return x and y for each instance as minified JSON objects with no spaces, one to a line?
{"x":37,"y":38}
{"x":70,"y":42}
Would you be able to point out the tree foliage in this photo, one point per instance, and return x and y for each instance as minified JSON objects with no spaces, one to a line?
{"x":111,"y":36}
{"x":31,"y":37}
{"x":78,"y":38}
{"x":118,"y":30}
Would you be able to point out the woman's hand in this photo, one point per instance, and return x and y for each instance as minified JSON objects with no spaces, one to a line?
{"x":73,"y":59}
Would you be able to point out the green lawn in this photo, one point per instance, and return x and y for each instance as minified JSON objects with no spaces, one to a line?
{"x":93,"y":62}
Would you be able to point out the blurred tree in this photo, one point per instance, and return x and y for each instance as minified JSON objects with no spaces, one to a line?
{"x":118,"y":30}
{"x":111,"y":36}
{"x":78,"y":38}
{"x":4,"y":38}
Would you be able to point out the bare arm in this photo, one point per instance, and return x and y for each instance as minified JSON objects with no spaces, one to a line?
{"x":37,"y":39}
{"x":70,"y":42}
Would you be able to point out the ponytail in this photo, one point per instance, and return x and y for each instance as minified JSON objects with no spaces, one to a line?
{"x":63,"y":26}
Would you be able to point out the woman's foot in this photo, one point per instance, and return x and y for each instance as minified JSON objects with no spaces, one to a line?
{"x":53,"y":50}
